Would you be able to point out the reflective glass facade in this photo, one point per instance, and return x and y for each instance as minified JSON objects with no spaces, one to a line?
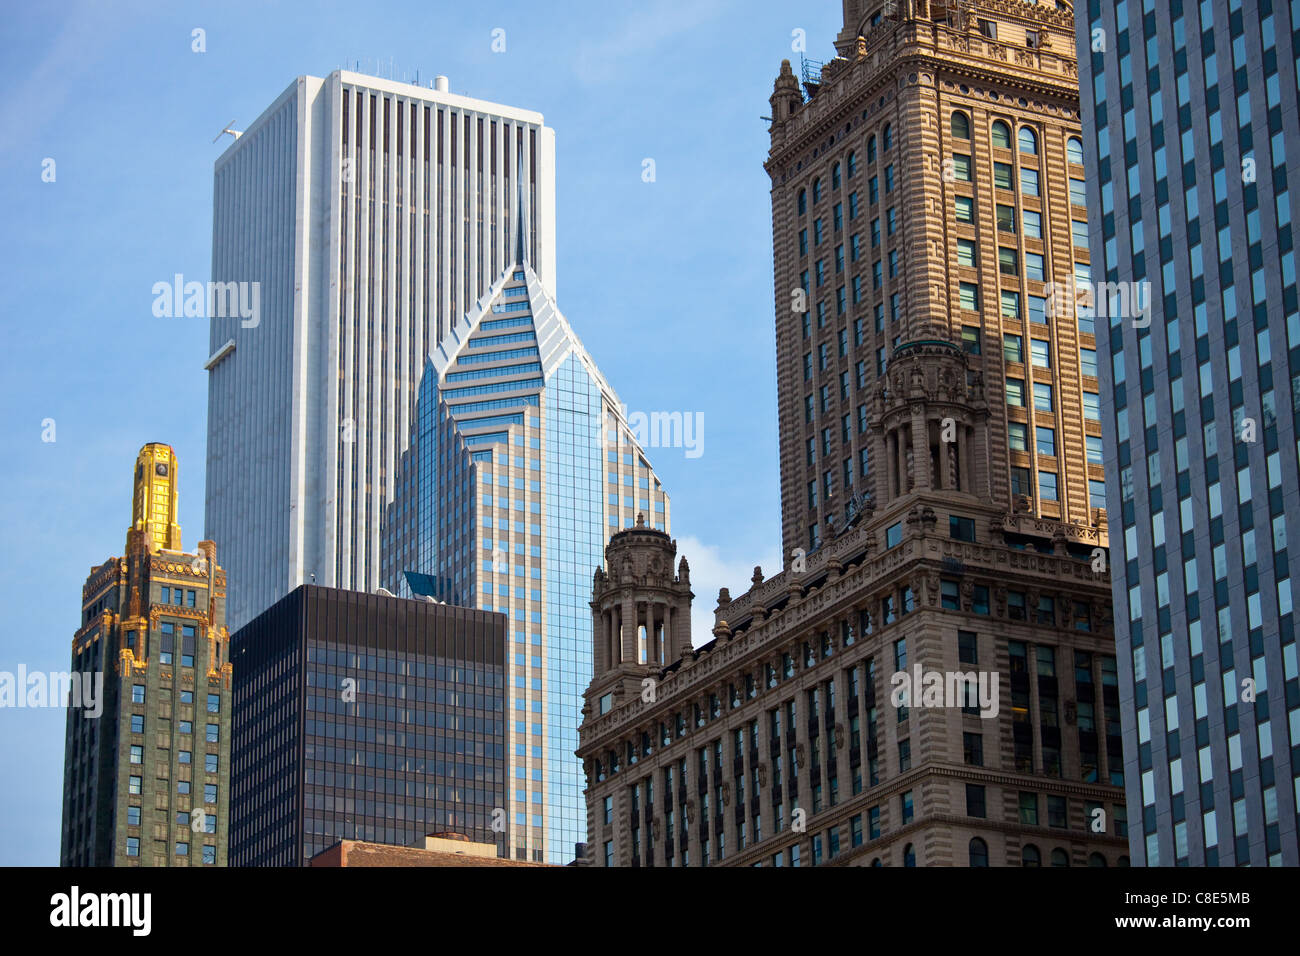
{"x":501,"y":504}
{"x":364,"y":717}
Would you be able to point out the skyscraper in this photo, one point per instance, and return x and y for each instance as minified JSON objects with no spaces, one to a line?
{"x":411,"y":351}
{"x":1191,"y":111}
{"x":364,"y":717}
{"x":366,"y":218}
{"x":520,"y":465}
{"x":941,"y":493}
{"x":144,"y":779}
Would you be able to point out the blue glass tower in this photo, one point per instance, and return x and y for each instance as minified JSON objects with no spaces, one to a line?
{"x":520,"y":466}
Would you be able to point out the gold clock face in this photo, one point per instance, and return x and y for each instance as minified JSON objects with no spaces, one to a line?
{"x":160,"y":469}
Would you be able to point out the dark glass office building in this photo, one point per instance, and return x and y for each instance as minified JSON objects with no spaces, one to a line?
{"x":365,"y":717}
{"x":1190,"y":115}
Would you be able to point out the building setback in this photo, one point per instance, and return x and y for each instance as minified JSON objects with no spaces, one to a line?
{"x":144,"y":781}
{"x":1191,"y":111}
{"x":942,"y":494}
{"x":365,"y":717}
{"x":371,"y":216}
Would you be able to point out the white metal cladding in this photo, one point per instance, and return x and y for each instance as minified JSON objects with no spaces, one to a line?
{"x":368,"y":255}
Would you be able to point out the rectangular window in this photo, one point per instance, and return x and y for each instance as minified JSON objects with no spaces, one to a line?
{"x":970,"y":296}
{"x":1041,"y":350}
{"x":961,"y":529}
{"x":965,"y":206}
{"x":1002,"y":178}
{"x":1042,"y":397}
{"x":1006,"y":217}
{"x":1029,"y":809}
{"x":1092,"y":406}
{"x":966,"y":255}
{"x":1047,"y":485}
{"x":1013,"y":349}
{"x":1035,"y":269}
{"x":1033,"y":222}
{"x":1046,"y":441}
{"x":1018,"y":436}
{"x":1028,"y":182}
{"x":1008,"y":261}
{"x":1016,"y":392}
{"x":1038,"y":309}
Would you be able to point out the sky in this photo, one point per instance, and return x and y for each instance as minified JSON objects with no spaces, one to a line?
{"x":668,"y":282}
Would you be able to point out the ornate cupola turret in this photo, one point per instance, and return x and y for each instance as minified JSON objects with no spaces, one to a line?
{"x":641,"y":612}
{"x":931,"y":422}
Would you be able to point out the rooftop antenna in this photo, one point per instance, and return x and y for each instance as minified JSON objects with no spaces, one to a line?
{"x":230,"y":128}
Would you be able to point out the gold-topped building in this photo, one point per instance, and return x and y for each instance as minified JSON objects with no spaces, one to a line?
{"x":146,"y":760}
{"x":154,"y":501}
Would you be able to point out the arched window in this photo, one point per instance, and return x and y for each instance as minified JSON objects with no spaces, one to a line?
{"x":1028,"y":141}
{"x":960,"y":125}
{"x":1060,"y":857}
{"x":876,"y":862}
{"x":979,"y":852}
{"x":887,"y":134}
{"x":1096,"y":860}
{"x":852,"y":163}
{"x":1029,"y":855}
{"x":1074,"y":150}
{"x":1001,"y":135}
{"x":817,"y":190}
{"x":909,"y":855}
{"x":803,"y":201}
{"x":871,"y":148}
{"x":835,"y":176}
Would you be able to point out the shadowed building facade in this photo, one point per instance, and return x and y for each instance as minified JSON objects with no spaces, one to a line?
{"x":365,"y":717}
{"x":144,"y":782}
{"x":1193,"y":127}
{"x":941,"y":485}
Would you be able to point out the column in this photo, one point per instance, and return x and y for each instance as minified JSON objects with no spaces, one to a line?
{"x":920,"y":450}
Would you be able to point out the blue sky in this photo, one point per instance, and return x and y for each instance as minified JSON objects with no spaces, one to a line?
{"x":668,"y":283}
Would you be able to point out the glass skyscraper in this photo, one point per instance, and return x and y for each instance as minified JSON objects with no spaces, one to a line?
{"x":1190,"y":112}
{"x":520,"y":465}
{"x":364,"y":717}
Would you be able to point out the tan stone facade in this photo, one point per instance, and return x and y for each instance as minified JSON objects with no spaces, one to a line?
{"x":933,"y":516}
{"x":911,"y":132}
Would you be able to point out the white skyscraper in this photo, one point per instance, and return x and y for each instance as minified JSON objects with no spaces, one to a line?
{"x":373,"y":215}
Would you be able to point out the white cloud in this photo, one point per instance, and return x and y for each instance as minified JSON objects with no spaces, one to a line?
{"x":711,"y":569}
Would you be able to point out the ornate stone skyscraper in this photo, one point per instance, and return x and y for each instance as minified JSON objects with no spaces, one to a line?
{"x":146,"y":768}
{"x":930,"y":680}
